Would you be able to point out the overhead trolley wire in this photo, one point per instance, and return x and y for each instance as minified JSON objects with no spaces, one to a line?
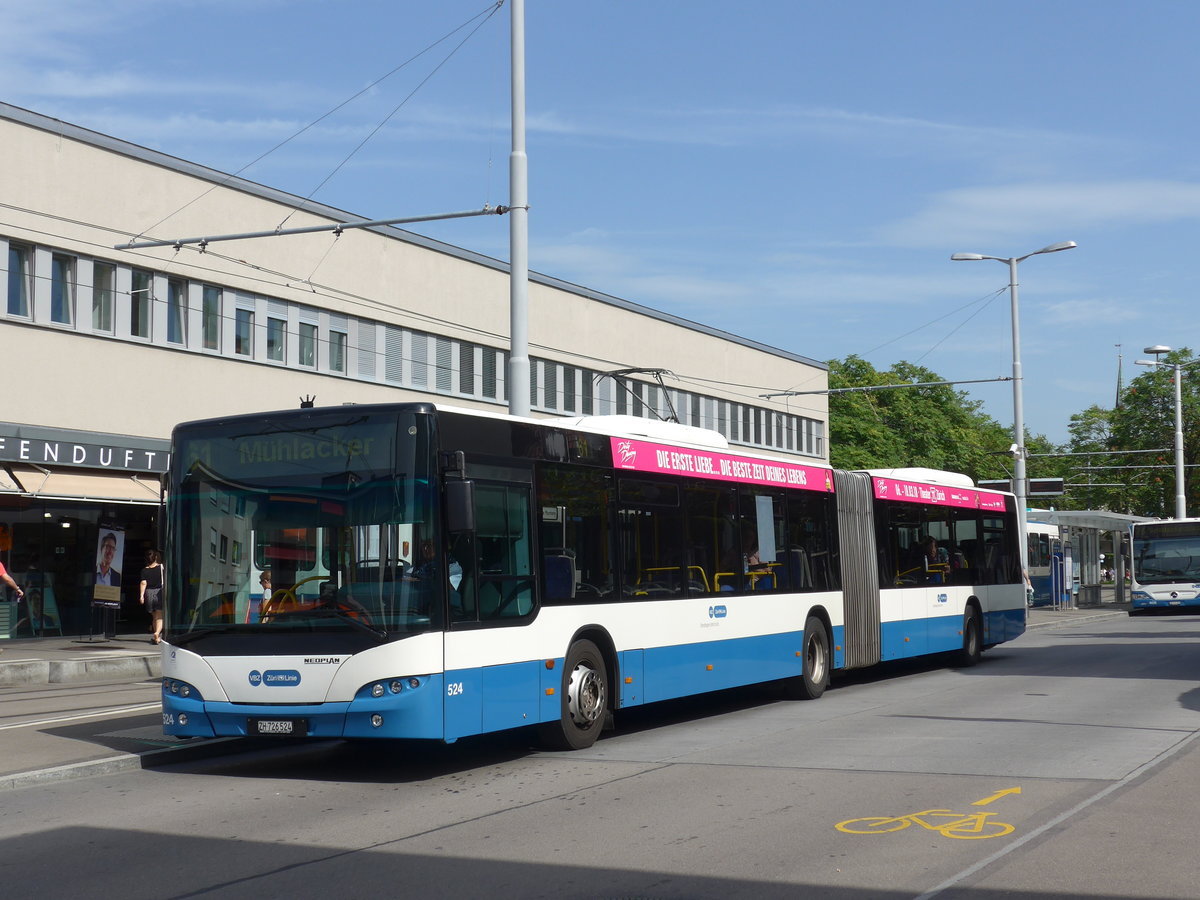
{"x":485,"y":14}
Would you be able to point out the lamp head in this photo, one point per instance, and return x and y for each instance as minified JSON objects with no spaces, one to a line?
{"x":1054,"y":248}
{"x":962,"y":256}
{"x":1156,"y":350}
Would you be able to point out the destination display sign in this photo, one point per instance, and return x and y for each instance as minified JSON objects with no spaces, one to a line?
{"x":667,"y":459}
{"x":936,"y":494}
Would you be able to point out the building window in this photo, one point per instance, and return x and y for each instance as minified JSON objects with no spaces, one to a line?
{"x":276,"y":338}
{"x":243,"y":333}
{"x":569,"y":388}
{"x":103,"y":281}
{"x":20,"y":279}
{"x":210,"y":317}
{"x":489,"y":372}
{"x":308,"y":344}
{"x":466,"y":368}
{"x":420,"y":359}
{"x":62,"y":289}
{"x":550,"y":371}
{"x":393,"y":360}
{"x":176,"y":306}
{"x":337,"y":351}
{"x":141,"y":295}
{"x":443,"y":377}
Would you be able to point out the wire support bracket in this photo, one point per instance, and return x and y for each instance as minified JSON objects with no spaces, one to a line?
{"x":335,"y":229}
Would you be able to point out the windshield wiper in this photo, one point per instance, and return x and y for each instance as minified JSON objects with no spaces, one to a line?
{"x":189,"y":636}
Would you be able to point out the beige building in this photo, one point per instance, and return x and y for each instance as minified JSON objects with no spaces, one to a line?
{"x":106,"y":350}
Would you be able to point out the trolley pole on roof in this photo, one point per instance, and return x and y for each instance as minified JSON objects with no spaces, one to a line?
{"x":518,"y":228}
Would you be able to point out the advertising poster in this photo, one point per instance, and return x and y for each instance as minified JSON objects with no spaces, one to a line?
{"x":110,"y":549}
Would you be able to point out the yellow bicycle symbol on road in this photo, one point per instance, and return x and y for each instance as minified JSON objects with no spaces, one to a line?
{"x":964,"y":826}
{"x":968,"y":827}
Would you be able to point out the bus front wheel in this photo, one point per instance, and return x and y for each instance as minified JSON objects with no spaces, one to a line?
{"x":583,"y":700}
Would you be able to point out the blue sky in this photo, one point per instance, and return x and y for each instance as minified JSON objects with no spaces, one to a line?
{"x":795,"y":172}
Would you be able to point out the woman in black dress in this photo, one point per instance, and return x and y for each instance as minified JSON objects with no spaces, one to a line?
{"x":151,"y":592}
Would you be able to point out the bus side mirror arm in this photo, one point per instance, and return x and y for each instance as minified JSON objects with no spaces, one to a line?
{"x":460,"y":506}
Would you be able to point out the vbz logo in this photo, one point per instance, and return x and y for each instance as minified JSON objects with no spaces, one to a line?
{"x":256,"y":677}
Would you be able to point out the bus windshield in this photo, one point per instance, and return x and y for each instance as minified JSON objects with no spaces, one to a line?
{"x":304,"y":522}
{"x":1166,"y":553}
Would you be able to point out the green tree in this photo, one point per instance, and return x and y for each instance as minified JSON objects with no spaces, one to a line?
{"x":935,"y":426}
{"x":1088,"y":473}
{"x":1145,"y":421}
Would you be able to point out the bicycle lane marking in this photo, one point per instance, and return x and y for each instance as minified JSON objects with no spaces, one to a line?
{"x":962,"y":826}
{"x":1059,"y":819}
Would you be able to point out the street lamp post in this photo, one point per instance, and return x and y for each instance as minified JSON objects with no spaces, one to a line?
{"x":1157,"y":351}
{"x":1019,"y":481}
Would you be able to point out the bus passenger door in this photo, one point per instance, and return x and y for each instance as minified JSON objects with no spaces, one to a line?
{"x":497,"y":588}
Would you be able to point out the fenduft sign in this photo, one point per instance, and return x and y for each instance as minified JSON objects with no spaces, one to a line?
{"x":49,"y":447}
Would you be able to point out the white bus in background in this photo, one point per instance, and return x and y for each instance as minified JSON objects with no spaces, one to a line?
{"x":1045,"y":562}
{"x":1164,"y":566}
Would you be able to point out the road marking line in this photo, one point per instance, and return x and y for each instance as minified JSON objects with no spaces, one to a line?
{"x":143,"y":707}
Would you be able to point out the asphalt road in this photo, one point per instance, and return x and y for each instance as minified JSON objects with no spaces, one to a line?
{"x":1065,"y":765}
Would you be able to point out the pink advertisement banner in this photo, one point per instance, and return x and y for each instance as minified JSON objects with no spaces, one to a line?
{"x":937,"y":494}
{"x":645,"y":456}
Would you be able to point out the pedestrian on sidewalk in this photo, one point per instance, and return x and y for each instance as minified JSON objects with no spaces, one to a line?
{"x":151,"y":593}
{"x":8,"y":579}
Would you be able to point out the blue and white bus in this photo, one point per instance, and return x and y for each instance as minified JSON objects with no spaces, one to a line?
{"x":1045,"y":563}
{"x":1165,"y":566}
{"x":439,"y":573}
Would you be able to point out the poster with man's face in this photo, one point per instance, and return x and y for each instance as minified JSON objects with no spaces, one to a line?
{"x":110,"y":548}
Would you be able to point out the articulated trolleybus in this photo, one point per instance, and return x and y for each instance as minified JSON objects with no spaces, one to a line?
{"x":439,"y":573}
{"x":1166,"y":565}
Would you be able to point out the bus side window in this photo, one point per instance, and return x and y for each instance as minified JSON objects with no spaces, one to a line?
{"x":574,"y":534}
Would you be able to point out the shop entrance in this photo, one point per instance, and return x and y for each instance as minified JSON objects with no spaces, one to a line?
{"x":49,"y":548}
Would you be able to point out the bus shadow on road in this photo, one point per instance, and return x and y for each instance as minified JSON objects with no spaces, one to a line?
{"x":405,"y":761}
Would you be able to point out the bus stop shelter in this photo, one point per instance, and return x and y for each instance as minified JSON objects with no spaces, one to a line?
{"x":1083,"y":531}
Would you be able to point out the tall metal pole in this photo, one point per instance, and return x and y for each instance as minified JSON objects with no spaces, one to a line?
{"x":518,"y":228}
{"x":1020,"y":486}
{"x":1019,"y":482}
{"x":1180,"y":501}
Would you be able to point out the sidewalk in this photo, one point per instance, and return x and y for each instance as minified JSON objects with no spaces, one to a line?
{"x":1043,"y":616}
{"x":66,"y":660}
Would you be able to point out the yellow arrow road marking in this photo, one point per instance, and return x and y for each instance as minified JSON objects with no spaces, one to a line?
{"x":996,"y":796}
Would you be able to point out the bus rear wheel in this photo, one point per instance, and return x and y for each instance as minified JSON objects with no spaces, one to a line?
{"x":814,"y":679}
{"x":972,"y":648}
{"x":583,"y":700}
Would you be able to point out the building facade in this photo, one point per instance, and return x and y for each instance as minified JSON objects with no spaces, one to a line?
{"x":108,"y":349}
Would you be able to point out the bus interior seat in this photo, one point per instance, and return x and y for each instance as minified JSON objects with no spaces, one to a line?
{"x":560,"y":577}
